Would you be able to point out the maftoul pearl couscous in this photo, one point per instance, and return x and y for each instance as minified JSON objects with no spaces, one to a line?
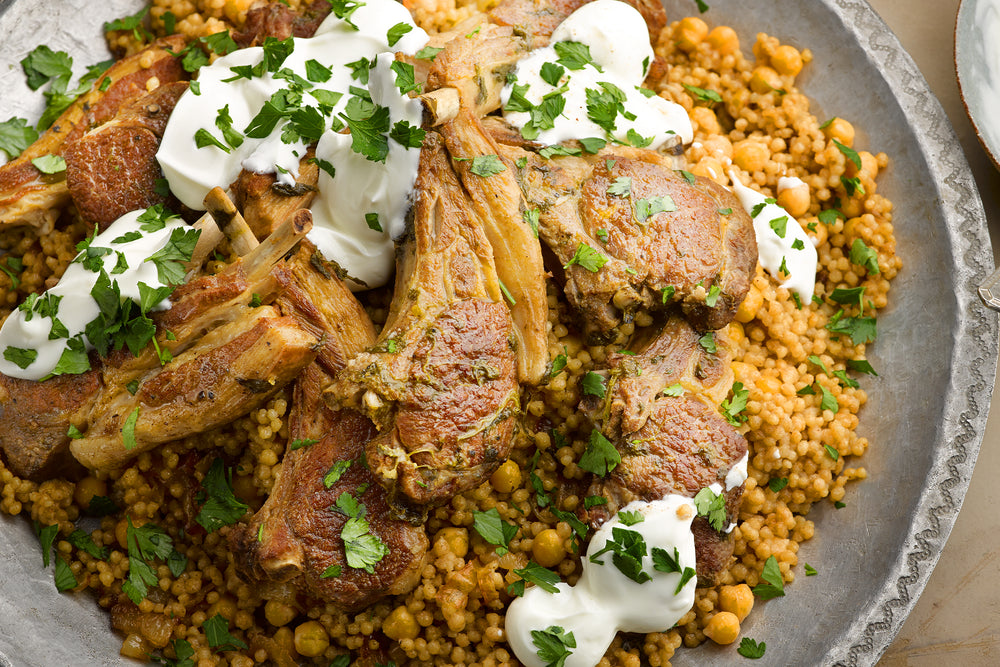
{"x":798,"y":363}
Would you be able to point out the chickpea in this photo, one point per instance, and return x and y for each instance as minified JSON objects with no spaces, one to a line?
{"x":547,"y":548}
{"x":750,"y":155}
{"x":705,"y":119}
{"x":278,"y":613}
{"x":724,"y":628}
{"x":690,"y":33}
{"x":819,"y":233}
{"x":787,"y":60}
{"x":736,"y":600}
{"x":841,"y":130}
{"x":723,"y":39}
{"x":236,"y":10}
{"x":457,"y":540}
{"x":795,"y":200}
{"x":507,"y":477}
{"x":868,"y":164}
{"x":87,"y":488}
{"x":751,"y":304}
{"x":311,"y":639}
{"x":400,"y":624}
{"x":764,"y":80}
{"x":226,"y":607}
{"x":709,"y":167}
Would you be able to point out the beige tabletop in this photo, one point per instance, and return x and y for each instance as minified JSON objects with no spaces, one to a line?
{"x":957,"y":619}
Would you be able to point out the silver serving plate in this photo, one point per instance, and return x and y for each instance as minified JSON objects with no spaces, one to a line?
{"x":936,"y":354}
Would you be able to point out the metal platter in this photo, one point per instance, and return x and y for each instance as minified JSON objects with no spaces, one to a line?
{"x":936,"y":352}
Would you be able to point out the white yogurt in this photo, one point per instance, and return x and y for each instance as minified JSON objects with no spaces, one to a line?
{"x":789,"y":183}
{"x":800,"y":258}
{"x":76,"y":307}
{"x":618,"y":41}
{"x":604,"y":600}
{"x":360,"y":186}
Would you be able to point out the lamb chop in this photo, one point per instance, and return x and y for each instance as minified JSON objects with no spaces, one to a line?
{"x":299,"y":532}
{"x":661,"y":413}
{"x":537,"y":19}
{"x":265,"y":202}
{"x":29,"y":197}
{"x":440,"y":382}
{"x":229,"y":358}
{"x":630,"y":232}
{"x":112,"y":169}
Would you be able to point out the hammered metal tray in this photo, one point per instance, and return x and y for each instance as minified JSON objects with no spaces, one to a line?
{"x":936,"y":353}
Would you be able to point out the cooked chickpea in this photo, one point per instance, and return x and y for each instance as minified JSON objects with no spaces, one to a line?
{"x":751,"y":304}
{"x":311,"y":639}
{"x":795,"y":200}
{"x":750,"y":155}
{"x":457,"y":540}
{"x":705,"y":119}
{"x":236,"y":10}
{"x":724,"y":628}
{"x":736,"y":600}
{"x":724,"y":40}
{"x":278,"y":613}
{"x":226,"y":607}
{"x":841,"y":130}
{"x":787,"y":60}
{"x":709,"y":167}
{"x":764,"y":80}
{"x":869,"y":164}
{"x":400,"y":624}
{"x":547,"y":548}
{"x":87,"y":488}
{"x":507,"y":477}
{"x":690,"y":33}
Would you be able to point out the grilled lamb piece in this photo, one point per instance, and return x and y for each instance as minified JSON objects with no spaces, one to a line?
{"x":298,"y":531}
{"x":670,"y":444}
{"x":700,"y":251}
{"x":28,"y":197}
{"x":112,"y":169}
{"x":275,"y":19}
{"x":440,"y":382}
{"x":497,"y":202}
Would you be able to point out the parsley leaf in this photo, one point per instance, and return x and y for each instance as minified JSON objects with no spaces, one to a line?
{"x":712,"y":506}
{"x":494,"y":529}
{"x":369,"y":124}
{"x":49,"y":164}
{"x":15,"y":136}
{"x":702,"y":94}
{"x":534,"y":573}
{"x":864,"y":256}
{"x":622,"y":187}
{"x":593,"y":384}
{"x":574,"y":55}
{"x":732,"y":409}
{"x":335,"y":472}
{"x":363,"y":549}
{"x":628,"y":548}
{"x":811,"y":571}
{"x":630,"y":518}
{"x":553,"y":645}
{"x":772,"y":585}
{"x":849,"y":153}
{"x":84,"y":542}
{"x":749,"y":648}
{"x":222,"y":508}
{"x":779,"y":226}
{"x":777,"y":484}
{"x":587,"y":258}
{"x":645,"y":208}
{"x":600,"y":457}
{"x":486,"y":165}
{"x":217,"y":633}
{"x":396,"y":32}
{"x":20,"y":357}
{"x":169,"y":259}
{"x":128,"y":429}
{"x":428,"y":53}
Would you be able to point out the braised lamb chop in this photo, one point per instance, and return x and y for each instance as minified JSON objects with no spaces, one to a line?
{"x":661,"y":413}
{"x":440,"y":383}
{"x":29,"y":197}
{"x":630,"y":232}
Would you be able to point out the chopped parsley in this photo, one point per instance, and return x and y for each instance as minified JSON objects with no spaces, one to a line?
{"x":664,"y":562}
{"x":428,"y":52}
{"x":732,"y":408}
{"x":587,"y":258}
{"x":622,"y":187}
{"x":645,"y":208}
{"x":772,"y":585}
{"x":486,"y":165}
{"x":128,"y":429}
{"x":749,"y":648}
{"x":15,"y":136}
{"x":222,"y":507}
{"x":50,"y":164}
{"x":779,"y":226}
{"x":713,"y":296}
{"x":860,"y":329}
{"x":627,"y":548}
{"x":777,"y":484}
{"x":712,"y":506}
{"x":831,"y":452}
{"x":217,"y":634}
{"x":534,"y":573}
{"x":864,"y":256}
{"x":574,"y":56}
{"x":630,"y":518}
{"x":703,"y":94}
{"x":396,"y":32}
{"x":600,"y":457}
{"x":553,"y":644}
{"x":494,"y":529}
{"x":146,"y":543}
{"x":532,"y":218}
{"x":594,"y":384}
{"x":335,"y":472}
{"x":362,"y":549}
{"x":369,"y":124}
{"x":707,"y":342}
{"x":849,"y":153}
{"x":811,"y":571}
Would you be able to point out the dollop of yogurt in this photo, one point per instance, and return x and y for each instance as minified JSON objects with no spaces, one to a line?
{"x":605,"y":600}
{"x":362,"y":202}
{"x":780,"y":241}
{"x":616,"y":38}
{"x":42,"y":328}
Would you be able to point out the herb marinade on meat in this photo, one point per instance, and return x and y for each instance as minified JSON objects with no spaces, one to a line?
{"x":798,"y":363}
